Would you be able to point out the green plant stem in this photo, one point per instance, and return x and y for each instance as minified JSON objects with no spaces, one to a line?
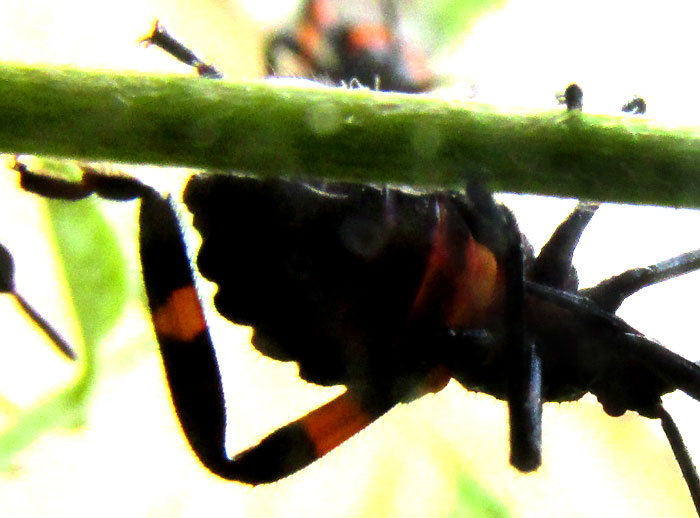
{"x":263,"y":128}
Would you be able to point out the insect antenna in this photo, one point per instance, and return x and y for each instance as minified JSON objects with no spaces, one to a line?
{"x":690,"y":474}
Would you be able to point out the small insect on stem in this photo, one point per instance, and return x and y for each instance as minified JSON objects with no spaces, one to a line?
{"x":637,"y":106}
{"x":572,"y":97}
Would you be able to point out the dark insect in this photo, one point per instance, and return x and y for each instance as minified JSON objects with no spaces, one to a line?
{"x":391,"y":293}
{"x":368,"y":54}
{"x":637,"y":106}
{"x":572,"y":97}
{"x":371,"y":54}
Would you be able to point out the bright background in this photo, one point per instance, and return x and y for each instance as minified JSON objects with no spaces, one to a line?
{"x":131,"y":459}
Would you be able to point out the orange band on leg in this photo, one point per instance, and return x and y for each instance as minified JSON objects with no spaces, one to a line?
{"x":336,"y":421}
{"x":181,"y":317}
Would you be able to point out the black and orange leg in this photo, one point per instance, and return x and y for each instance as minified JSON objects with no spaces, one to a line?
{"x":193,"y":374}
{"x":188,"y":354}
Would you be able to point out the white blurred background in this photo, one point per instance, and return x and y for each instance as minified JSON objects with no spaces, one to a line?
{"x":131,"y":459}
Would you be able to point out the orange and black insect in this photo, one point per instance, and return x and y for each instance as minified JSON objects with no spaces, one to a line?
{"x":331,"y":50}
{"x":390,"y":292}
{"x":372,"y":54}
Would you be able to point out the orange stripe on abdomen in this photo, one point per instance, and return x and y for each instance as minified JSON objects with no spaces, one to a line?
{"x":478,"y":288}
{"x":462,"y":286}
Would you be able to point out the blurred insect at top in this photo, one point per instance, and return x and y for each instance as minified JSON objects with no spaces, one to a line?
{"x":332,"y":45}
{"x":637,"y":106}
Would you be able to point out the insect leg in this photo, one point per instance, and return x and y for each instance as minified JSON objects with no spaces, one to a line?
{"x":680,"y":373}
{"x":553,"y":265}
{"x":109,"y":187}
{"x":7,"y":285}
{"x":193,"y":375}
{"x":161,"y":38}
{"x":46,"y":186}
{"x":690,"y":474}
{"x":298,"y":444}
{"x":524,"y":388}
{"x":610,"y":293}
{"x":499,"y":231}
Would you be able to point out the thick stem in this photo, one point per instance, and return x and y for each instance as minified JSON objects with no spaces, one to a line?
{"x":263,"y":128}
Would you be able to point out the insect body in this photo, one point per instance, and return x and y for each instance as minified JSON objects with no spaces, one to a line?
{"x":391,"y":293}
{"x":636,"y":106}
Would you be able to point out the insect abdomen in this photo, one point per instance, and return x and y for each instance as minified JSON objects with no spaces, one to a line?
{"x":334,"y":276}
